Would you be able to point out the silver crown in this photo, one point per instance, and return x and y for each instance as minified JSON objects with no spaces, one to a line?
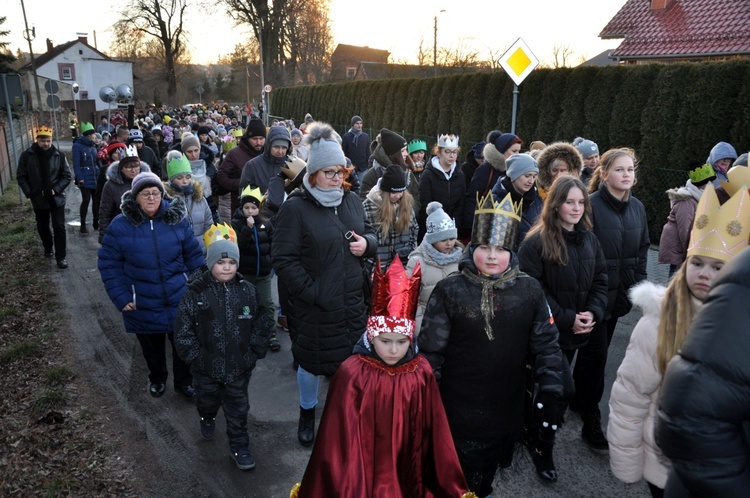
{"x":450,"y":141}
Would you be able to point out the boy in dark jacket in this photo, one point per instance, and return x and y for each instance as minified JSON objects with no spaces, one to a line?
{"x":221,"y":331}
{"x":254,"y":233}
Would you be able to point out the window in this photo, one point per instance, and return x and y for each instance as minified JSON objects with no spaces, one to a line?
{"x":350,"y":72}
{"x":66,"y":72}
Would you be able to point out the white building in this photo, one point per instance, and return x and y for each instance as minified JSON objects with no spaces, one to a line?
{"x":76,"y":62}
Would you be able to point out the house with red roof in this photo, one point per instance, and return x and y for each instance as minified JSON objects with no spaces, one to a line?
{"x":680,"y":30}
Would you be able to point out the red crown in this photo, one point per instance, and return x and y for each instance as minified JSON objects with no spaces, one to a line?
{"x":395,"y":296}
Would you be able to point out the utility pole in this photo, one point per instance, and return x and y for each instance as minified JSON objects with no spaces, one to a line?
{"x":434,"y":46}
{"x":30,"y":35}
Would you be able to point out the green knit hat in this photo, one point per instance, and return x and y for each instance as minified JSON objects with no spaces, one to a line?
{"x":179,"y":166}
{"x":87,"y":129}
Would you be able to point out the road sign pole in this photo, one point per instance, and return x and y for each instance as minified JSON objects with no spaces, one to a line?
{"x":515,"y":109}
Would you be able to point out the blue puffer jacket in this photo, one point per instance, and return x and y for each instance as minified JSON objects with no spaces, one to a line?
{"x":148,"y":262}
{"x":85,"y":165}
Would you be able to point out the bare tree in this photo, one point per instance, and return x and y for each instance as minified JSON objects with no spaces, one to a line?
{"x":294,"y":35}
{"x":560,"y":55}
{"x":422,"y":53}
{"x":163,"y":20}
{"x":460,"y":56}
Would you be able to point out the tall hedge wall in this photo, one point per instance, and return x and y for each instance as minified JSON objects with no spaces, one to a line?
{"x":668,"y":113}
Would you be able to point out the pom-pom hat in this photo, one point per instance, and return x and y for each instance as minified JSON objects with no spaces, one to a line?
{"x":439,"y":226}
{"x":395,"y":296}
{"x":325,"y":147}
{"x":585,"y":147}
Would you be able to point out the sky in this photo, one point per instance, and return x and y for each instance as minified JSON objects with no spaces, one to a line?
{"x":483,"y":26}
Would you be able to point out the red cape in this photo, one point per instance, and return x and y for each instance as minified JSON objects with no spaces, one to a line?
{"x":383,"y":433}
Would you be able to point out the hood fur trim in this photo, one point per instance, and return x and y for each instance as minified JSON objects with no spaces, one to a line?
{"x":171,"y":212}
{"x":647,"y":296}
{"x":558,"y":150}
{"x":494,"y":157}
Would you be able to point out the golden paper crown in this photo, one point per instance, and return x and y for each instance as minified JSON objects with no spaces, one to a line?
{"x":495,"y":223}
{"x":738,"y":177}
{"x":219,"y":231}
{"x":44,"y":131}
{"x":450,"y":141}
{"x":720,"y":230}
{"x":253,"y":191}
{"x":395,"y":296}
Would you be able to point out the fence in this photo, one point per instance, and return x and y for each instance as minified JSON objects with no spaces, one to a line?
{"x":11,"y":146}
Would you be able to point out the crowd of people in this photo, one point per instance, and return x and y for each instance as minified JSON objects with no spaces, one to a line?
{"x":461,"y":309}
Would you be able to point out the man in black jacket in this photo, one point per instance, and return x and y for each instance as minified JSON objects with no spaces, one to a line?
{"x":43,"y":175}
{"x":355,"y":143}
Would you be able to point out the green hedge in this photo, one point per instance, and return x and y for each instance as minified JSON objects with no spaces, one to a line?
{"x":668,"y":113}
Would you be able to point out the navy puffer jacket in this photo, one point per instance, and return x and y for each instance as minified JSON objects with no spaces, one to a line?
{"x":148,"y":262}
{"x":622,"y":230}
{"x":85,"y":165}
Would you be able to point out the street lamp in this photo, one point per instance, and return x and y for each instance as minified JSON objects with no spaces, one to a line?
{"x":434,"y":46}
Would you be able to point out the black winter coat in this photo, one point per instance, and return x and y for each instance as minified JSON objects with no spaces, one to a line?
{"x":357,"y":149}
{"x":31,"y":179}
{"x":580,"y":285}
{"x":433,"y":186}
{"x":254,"y":244}
{"x":704,"y":407}
{"x":483,"y":380}
{"x":622,"y":230}
{"x":327,"y":312}
{"x":221,"y":329}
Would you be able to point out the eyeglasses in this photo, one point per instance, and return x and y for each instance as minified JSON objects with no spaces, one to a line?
{"x":333,"y":172}
{"x":132,"y":166}
{"x":149,"y":195}
{"x":451,"y":152}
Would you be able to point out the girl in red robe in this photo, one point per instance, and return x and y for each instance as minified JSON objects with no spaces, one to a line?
{"x":384,"y":432}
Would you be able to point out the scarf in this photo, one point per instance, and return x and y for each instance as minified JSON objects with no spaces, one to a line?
{"x":696,"y":192}
{"x":489,"y":284}
{"x":326,"y":197}
{"x":441,"y":258}
{"x":356,"y":134}
{"x":187,"y":190}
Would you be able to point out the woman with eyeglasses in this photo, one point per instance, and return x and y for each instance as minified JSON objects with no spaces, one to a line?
{"x":320,"y":239}
{"x":146,"y":257}
{"x":442,"y":181}
{"x":125,"y":166}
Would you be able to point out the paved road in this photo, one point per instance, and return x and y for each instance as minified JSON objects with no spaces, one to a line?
{"x":162,"y":438}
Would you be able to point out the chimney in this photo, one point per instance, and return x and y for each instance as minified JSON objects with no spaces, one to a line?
{"x":83,"y":38}
{"x":49,"y":45}
{"x":660,"y":4}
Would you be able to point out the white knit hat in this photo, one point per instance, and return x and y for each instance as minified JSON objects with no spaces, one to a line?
{"x":439,"y":225}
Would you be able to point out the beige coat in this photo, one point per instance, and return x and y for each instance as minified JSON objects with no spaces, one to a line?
{"x":633,"y":403}
{"x":432,"y":273}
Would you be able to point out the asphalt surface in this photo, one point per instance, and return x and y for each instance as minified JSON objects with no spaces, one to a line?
{"x":161,"y":436}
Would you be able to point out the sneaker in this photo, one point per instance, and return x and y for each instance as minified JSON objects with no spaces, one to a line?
{"x":62,"y":264}
{"x":157,"y":389}
{"x":282,"y":322}
{"x":592,"y":430}
{"x":208,"y":426}
{"x":273,"y":342}
{"x":242,"y":458}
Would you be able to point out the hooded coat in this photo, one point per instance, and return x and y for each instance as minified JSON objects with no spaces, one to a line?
{"x":484,"y":179}
{"x":327,"y":312}
{"x":115,"y":186}
{"x":148,"y":262}
{"x":31,"y":179}
{"x":198,"y":213}
{"x":450,"y":192}
{"x":262,"y":168}
{"x":558,"y":150}
{"x":675,"y":236}
{"x":380,"y":162}
{"x":704,"y":405}
{"x":254,"y":244}
{"x":634,"y":401}
{"x":230,"y":170}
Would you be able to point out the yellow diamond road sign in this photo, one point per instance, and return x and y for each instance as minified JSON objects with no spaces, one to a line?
{"x":518,"y":61}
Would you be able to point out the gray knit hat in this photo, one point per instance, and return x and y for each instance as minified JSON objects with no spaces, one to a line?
{"x":222,"y":249}
{"x":325,"y":147}
{"x":355,"y":119}
{"x":518,"y":165}
{"x":439,"y":225}
{"x":189,"y":141}
{"x":585,"y":147}
{"x":144,"y":180}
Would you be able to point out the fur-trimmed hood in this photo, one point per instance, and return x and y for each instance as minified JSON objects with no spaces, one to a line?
{"x":197,"y":191}
{"x":114,"y":173}
{"x":494,"y":157}
{"x":375,"y":194}
{"x":557,"y":150}
{"x":647,"y":296}
{"x":171,"y":211}
{"x":679,"y":194}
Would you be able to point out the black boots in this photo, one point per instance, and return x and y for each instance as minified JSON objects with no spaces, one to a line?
{"x":542,"y":458}
{"x":592,"y":430}
{"x":306,"y":430}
